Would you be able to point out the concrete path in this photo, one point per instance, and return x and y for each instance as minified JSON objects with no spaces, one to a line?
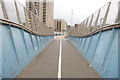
{"x":73,"y":64}
{"x":45,"y":65}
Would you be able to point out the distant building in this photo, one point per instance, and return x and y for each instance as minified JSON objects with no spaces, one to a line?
{"x":43,"y":9}
{"x":60,"y":25}
{"x":76,"y":25}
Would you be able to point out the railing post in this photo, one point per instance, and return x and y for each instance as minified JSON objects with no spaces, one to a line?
{"x":26,"y":19}
{"x":96,"y":22}
{"x":105,"y":18}
{"x":118,"y":16}
{"x":4,"y":10}
{"x":17,"y":12}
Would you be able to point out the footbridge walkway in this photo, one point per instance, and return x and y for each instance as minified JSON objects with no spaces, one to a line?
{"x":28,"y":48}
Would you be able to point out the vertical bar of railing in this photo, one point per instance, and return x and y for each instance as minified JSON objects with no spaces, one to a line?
{"x":96,"y":22}
{"x":91,"y":20}
{"x":119,"y":12}
{"x":17,"y":12}
{"x":4,"y":10}
{"x":35,"y":19}
{"x":105,"y":18}
{"x":37,"y":25}
{"x":40,"y":29}
{"x":32,"y":22}
{"x":118,"y":16}
{"x":87,"y":21}
{"x":26,"y":19}
{"x":83,"y":23}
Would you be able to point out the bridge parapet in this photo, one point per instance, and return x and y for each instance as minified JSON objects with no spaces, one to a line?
{"x":97,"y":38}
{"x":22,"y":37}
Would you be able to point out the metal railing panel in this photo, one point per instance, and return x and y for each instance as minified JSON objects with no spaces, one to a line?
{"x":89,"y":20}
{"x":114,"y":13}
{"x":95,"y":15}
{"x":11,"y":10}
{"x":1,"y":12}
{"x":102,"y":15}
{"x":21,"y":13}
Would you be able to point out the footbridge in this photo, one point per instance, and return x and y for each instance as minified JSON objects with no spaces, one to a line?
{"x":29,"y":49}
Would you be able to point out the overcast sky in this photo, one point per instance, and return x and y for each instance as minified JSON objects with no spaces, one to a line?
{"x":81,"y":9}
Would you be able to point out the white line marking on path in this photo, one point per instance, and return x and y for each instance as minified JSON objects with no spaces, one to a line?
{"x":60,"y":60}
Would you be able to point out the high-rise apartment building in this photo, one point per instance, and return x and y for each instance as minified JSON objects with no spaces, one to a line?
{"x":43,"y":9}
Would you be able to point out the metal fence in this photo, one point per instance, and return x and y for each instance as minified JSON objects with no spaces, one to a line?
{"x":13,"y":11}
{"x":108,"y":15}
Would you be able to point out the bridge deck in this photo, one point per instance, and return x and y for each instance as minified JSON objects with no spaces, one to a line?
{"x":45,"y":65}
